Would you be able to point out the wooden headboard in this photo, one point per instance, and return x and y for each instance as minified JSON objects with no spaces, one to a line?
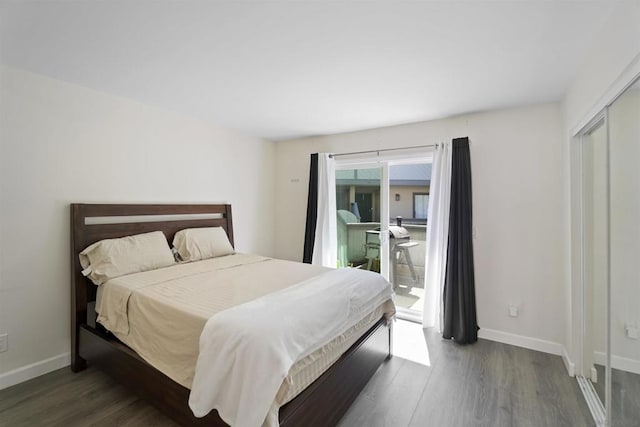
{"x":93,"y":222}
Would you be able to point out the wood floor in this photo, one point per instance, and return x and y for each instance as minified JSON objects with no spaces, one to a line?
{"x":430,"y":382}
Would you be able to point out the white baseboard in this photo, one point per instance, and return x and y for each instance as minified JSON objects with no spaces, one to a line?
{"x":530,"y":343}
{"x":568,"y":364}
{"x":618,"y":362}
{"x":33,"y":370}
{"x":522,"y":341}
{"x":599,"y":358}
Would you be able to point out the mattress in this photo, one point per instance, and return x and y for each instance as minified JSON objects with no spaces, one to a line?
{"x":161,"y":313}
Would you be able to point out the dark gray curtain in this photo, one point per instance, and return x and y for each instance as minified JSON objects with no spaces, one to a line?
{"x":459,"y":287}
{"x":312,"y":211}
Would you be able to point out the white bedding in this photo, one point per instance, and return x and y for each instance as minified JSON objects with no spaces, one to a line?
{"x":180,"y":284}
{"x":246,"y":351}
{"x":161,"y":315}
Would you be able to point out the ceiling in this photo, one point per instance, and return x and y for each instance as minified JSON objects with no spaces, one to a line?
{"x":283,"y":69}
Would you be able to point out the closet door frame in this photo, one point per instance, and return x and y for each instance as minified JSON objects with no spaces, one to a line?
{"x":583,"y":373}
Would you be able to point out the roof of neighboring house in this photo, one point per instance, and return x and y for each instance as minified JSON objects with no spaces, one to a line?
{"x":399,"y":175}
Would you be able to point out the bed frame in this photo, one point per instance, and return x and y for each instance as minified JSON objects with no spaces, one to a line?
{"x":323,"y":403}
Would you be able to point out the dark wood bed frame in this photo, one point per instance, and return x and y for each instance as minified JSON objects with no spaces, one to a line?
{"x":323,"y":403}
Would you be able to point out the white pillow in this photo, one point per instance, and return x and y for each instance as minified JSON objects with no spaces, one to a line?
{"x":194,"y":244}
{"x":110,"y":258}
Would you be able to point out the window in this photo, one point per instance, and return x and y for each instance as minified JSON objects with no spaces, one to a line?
{"x":420,"y":205}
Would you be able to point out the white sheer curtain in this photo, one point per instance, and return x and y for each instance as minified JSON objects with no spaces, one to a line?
{"x":437,"y":236}
{"x":325,"y":247}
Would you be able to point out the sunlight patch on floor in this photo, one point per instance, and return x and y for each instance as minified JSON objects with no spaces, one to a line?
{"x":409,"y":297}
{"x":409,"y":342}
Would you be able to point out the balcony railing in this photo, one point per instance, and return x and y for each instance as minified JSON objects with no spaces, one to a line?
{"x":408,"y":284}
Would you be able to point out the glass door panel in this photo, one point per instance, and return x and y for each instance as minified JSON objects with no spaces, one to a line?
{"x":358,"y":204}
{"x":408,"y":207}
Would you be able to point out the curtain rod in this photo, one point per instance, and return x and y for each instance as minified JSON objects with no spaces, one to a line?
{"x":381,"y":150}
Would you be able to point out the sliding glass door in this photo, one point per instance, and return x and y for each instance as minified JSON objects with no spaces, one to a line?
{"x":382,"y":211}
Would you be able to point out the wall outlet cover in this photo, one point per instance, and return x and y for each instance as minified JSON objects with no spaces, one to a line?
{"x":513,"y":311}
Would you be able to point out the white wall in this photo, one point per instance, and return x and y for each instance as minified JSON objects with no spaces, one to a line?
{"x":62,"y":143}
{"x":517,"y":169}
{"x":615,"y":47}
{"x":613,"y":51}
{"x":404,"y":206}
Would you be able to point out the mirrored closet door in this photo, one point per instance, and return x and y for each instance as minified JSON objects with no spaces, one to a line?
{"x":594,"y":263}
{"x":610,"y":216}
{"x":624,"y":177}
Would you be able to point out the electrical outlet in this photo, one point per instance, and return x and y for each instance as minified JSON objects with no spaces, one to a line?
{"x":4,"y":342}
{"x":632,"y":331}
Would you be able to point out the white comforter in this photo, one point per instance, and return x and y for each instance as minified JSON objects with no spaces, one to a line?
{"x":246,"y":351}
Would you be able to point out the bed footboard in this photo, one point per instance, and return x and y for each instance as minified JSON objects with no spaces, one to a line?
{"x":327,"y":399}
{"x":323,"y":403}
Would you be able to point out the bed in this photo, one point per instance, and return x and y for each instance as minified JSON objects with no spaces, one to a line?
{"x":321,"y":403}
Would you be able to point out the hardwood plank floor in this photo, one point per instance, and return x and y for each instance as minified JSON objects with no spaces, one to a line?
{"x":429,"y":382}
{"x":485,"y":384}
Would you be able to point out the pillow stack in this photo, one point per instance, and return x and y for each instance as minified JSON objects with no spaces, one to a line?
{"x":111,"y":258}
